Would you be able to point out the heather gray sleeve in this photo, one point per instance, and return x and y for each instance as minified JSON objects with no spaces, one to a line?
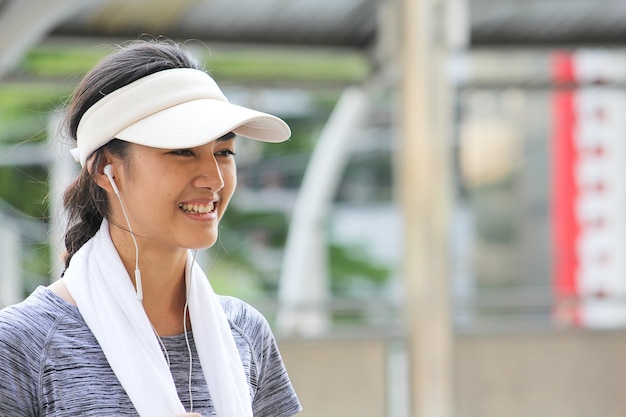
{"x":52,"y":366}
{"x":20,"y":347}
{"x":275,"y":396}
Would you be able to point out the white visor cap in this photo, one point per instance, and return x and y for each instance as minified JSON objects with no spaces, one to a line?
{"x":171,"y":109}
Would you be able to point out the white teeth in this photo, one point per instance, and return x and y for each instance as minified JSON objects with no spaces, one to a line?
{"x":197,"y":208}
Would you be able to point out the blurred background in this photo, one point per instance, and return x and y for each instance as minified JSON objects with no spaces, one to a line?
{"x":443,"y":236}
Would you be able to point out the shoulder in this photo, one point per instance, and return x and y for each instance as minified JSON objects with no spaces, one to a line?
{"x":246,"y":320}
{"x":240,"y":313}
{"x":248,"y":324}
{"x":25,"y":331}
{"x":29,"y":325}
{"x":32,"y":319}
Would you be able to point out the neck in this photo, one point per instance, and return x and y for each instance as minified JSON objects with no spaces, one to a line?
{"x":162,"y":277}
{"x":164,"y":294}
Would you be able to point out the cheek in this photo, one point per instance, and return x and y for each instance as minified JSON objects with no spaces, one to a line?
{"x":230,"y":184}
{"x":234,"y":179}
{"x":229,"y":175}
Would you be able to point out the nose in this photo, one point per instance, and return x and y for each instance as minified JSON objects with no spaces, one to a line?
{"x":209,"y":175}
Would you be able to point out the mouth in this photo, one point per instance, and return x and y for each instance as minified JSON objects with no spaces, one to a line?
{"x":197,"y":208}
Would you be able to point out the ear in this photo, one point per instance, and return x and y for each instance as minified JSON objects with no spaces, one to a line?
{"x":97,"y":172}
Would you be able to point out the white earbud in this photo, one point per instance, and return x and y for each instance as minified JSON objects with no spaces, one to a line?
{"x":109,"y":174}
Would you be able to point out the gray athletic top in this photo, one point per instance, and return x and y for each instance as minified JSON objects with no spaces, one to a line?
{"x":52,"y":365}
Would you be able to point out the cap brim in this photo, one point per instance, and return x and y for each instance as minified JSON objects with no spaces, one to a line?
{"x":198,"y":122}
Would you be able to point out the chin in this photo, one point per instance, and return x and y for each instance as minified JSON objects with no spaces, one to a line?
{"x":204,"y":244}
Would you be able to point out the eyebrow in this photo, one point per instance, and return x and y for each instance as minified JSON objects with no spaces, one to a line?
{"x":226,"y":137}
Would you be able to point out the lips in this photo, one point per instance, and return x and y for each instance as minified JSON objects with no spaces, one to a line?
{"x":197,"y":208}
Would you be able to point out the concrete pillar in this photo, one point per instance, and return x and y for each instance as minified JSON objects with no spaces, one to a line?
{"x":10,"y":269}
{"x":62,"y":171}
{"x":425,"y":192}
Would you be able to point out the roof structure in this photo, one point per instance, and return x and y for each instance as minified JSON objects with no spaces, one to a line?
{"x":548,"y":23}
{"x":296,"y":23}
{"x":345,"y":23}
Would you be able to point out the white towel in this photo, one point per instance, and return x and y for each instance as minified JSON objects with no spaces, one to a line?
{"x":106,"y":298}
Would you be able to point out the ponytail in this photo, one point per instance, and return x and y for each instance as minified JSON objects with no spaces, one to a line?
{"x":86,"y":206}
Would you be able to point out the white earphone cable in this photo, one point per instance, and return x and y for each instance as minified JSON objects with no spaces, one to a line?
{"x":107,"y":172}
{"x":137,"y":271}
{"x":185,"y":329}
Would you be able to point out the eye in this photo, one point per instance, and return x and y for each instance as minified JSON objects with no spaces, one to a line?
{"x":225,"y":152}
{"x":182,"y":152}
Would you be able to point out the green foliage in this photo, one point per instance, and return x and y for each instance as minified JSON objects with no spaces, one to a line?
{"x":271,"y":224}
{"x":25,"y":108}
{"x":60,"y":62}
{"x":246,"y":237}
{"x":25,"y":188}
{"x":36,"y":266}
{"x":239,"y":65}
{"x":286,"y":66}
{"x":350,"y":266}
{"x":302,"y":139}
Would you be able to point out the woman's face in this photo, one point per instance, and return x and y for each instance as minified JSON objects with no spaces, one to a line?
{"x":175,"y":198}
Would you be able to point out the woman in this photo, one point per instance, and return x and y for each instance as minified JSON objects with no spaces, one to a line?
{"x":133,"y":327}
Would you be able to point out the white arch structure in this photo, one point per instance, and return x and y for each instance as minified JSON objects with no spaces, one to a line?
{"x":24,"y":24}
{"x":303,"y":290}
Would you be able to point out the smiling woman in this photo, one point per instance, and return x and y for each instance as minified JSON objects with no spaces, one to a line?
{"x":134,"y":327}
